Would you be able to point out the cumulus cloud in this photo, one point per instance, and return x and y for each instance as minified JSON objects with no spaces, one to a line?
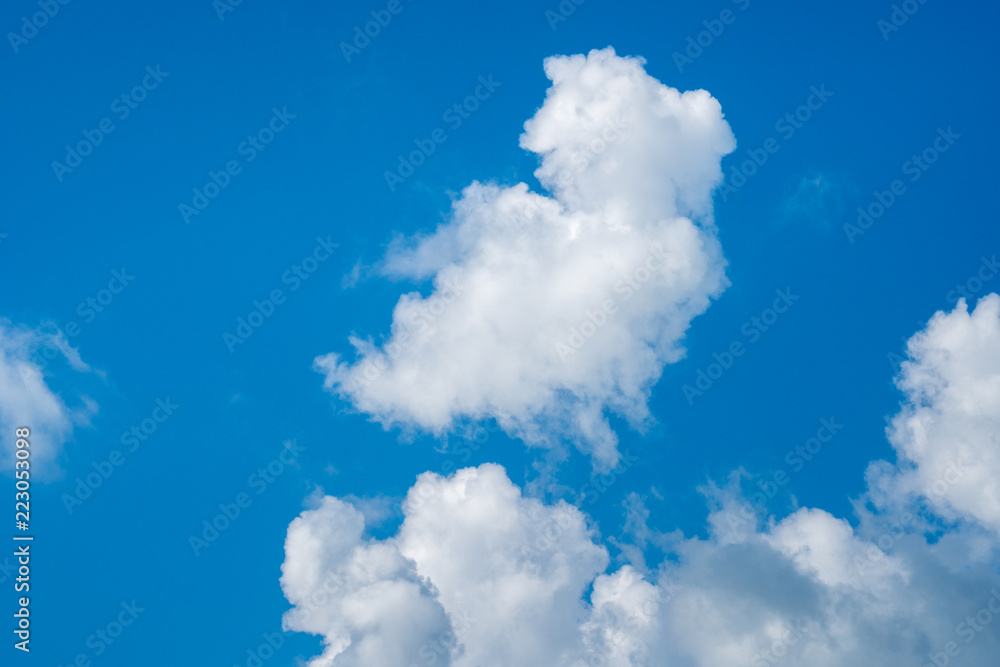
{"x":550,"y":312}
{"x":477,"y":573}
{"x":495,"y":578}
{"x":947,"y":436}
{"x":480,"y":576}
{"x":27,"y":400}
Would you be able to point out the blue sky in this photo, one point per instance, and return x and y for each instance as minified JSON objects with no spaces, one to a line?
{"x":321,"y":182}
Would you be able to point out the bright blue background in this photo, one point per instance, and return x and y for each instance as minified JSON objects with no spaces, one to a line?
{"x":324,"y":176}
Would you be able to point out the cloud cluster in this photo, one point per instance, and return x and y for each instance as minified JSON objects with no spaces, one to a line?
{"x":550,"y":312}
{"x":478,"y":575}
{"x":27,"y":400}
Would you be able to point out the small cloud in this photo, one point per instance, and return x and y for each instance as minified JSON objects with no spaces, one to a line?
{"x":376,"y":510}
{"x":357,"y":273}
{"x":27,"y":400}
{"x":817,"y":200}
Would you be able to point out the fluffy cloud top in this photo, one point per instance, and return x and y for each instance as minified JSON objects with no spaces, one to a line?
{"x":26,"y":399}
{"x":947,"y":436}
{"x":480,"y":576}
{"x":550,"y":312}
{"x":466,"y":540}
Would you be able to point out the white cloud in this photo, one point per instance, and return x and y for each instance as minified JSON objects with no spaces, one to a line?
{"x":473,"y":563}
{"x":947,"y":436}
{"x":27,"y":400}
{"x":497,"y":579}
{"x":480,"y":576}
{"x":516,"y":327}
